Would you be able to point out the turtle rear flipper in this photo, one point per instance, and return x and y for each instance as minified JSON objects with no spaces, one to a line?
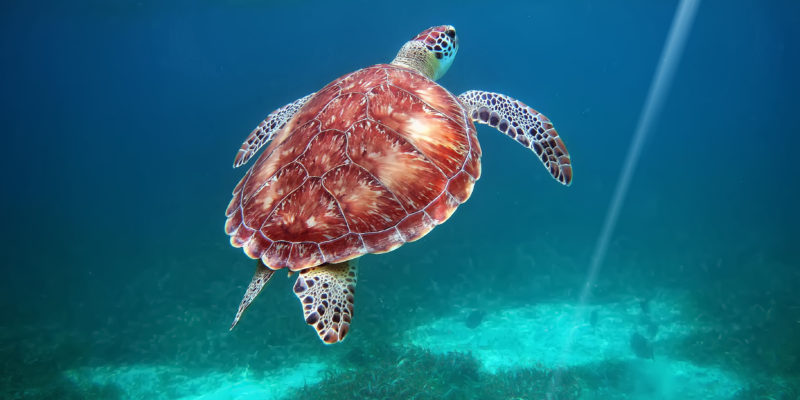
{"x":326,"y":293}
{"x":260,"y":278}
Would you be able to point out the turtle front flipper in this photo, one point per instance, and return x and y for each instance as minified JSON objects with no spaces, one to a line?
{"x":523,"y":124}
{"x":267,"y":129}
{"x":326,"y":293}
{"x":260,"y":278}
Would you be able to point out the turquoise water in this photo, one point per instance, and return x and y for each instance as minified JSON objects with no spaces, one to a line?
{"x":121,"y":121}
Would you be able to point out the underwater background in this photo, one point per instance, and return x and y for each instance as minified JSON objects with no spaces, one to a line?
{"x":120,"y":121}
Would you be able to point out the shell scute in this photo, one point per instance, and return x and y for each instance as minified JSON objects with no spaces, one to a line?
{"x":473,"y":164}
{"x":271,"y":191}
{"x":308,"y":214}
{"x":277,"y":157}
{"x":368,"y":205}
{"x":306,"y":114}
{"x":392,"y":160}
{"x":277,"y":255}
{"x":325,"y":152}
{"x":415,"y":226}
{"x":342,"y":249}
{"x":257,"y":245}
{"x":442,"y":208}
{"x":382,"y":242}
{"x":233,"y":222}
{"x":362,"y":80}
{"x":461,"y":186}
{"x":431,"y":95}
{"x":433,"y":134}
{"x":343,"y":111}
{"x":305,"y":255}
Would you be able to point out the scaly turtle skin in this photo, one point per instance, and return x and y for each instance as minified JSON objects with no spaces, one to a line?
{"x":375,"y":159}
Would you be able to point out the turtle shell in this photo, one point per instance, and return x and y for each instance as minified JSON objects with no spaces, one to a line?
{"x":375,"y":159}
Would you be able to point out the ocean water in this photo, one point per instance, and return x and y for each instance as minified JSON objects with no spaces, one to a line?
{"x":121,"y":119}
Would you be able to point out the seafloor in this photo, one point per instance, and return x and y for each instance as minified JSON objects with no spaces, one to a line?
{"x":474,"y":339}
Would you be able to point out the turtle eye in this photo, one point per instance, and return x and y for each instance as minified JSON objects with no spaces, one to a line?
{"x":451,"y":32}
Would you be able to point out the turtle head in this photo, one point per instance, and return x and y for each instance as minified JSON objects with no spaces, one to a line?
{"x":431,"y":52}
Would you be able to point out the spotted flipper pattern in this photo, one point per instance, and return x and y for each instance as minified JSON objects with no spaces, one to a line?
{"x":523,"y":124}
{"x":266,"y":130}
{"x":260,"y":278}
{"x":326,"y":293}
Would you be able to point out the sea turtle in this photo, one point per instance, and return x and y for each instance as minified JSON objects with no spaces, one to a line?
{"x":373,"y":160}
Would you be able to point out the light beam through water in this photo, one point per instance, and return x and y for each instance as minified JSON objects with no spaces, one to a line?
{"x":662,"y":80}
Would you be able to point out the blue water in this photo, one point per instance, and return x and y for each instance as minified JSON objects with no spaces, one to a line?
{"x":121,"y":120}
